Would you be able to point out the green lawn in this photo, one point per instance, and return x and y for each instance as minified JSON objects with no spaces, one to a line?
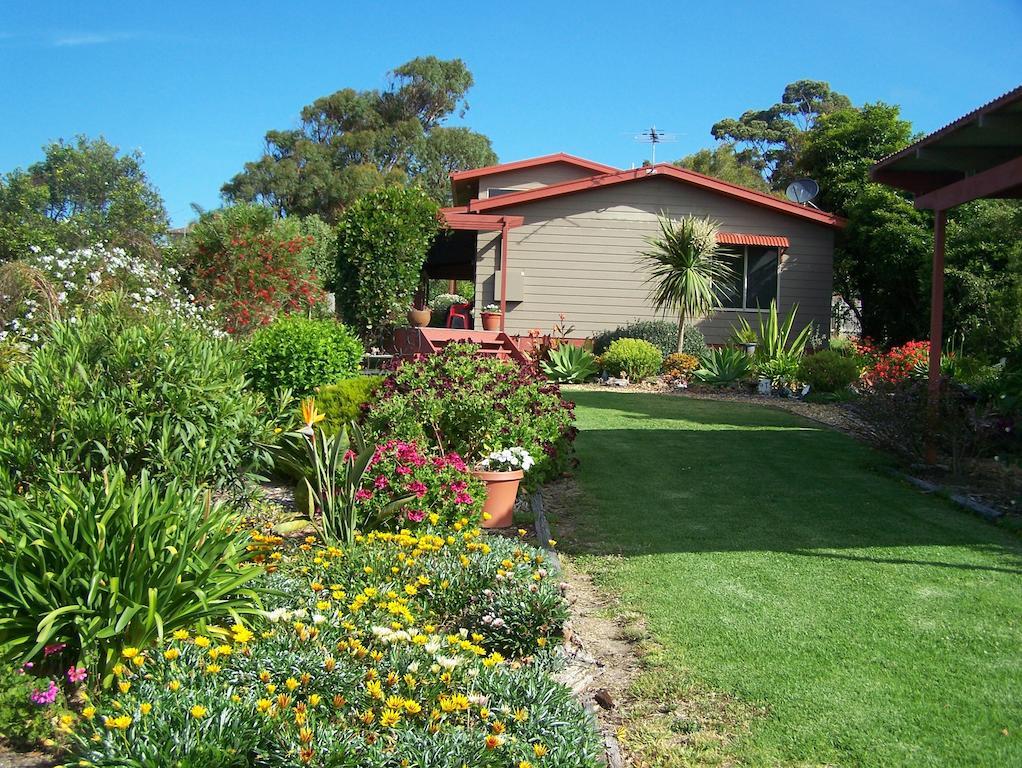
{"x":775,"y":561}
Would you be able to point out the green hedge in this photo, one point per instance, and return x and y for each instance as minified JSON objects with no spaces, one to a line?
{"x":343,"y":402}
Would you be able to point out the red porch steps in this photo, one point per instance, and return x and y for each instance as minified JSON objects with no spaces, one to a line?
{"x":426,"y":341}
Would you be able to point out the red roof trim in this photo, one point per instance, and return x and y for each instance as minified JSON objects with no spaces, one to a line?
{"x":459,"y":218}
{"x":666,"y":171}
{"x":740,"y":238}
{"x":532,"y":162}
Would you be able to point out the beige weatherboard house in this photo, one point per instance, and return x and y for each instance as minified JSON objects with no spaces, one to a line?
{"x":560,"y":234}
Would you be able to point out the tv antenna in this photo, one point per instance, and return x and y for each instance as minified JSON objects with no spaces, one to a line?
{"x":802,"y":191}
{"x":654,"y":136}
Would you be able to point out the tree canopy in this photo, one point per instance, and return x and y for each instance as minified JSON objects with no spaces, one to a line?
{"x":351,"y":142}
{"x":769,"y":140}
{"x":722,"y":163}
{"x":81,"y":192}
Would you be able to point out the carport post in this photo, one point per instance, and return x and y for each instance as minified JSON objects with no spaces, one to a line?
{"x":936,"y":335}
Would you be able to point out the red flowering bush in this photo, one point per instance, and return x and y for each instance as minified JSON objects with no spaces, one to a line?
{"x":894,"y":366}
{"x":445,"y":491}
{"x":250,"y":280}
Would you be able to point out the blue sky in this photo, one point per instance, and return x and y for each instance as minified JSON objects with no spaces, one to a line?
{"x":195,"y":86}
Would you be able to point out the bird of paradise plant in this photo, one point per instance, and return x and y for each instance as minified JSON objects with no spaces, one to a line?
{"x":331,"y":468}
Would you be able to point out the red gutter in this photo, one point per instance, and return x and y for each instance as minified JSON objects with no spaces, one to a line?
{"x":661,"y":170}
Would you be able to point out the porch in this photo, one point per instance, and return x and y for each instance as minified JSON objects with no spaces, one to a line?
{"x":409,"y":342}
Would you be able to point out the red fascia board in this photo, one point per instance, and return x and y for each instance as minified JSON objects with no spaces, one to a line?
{"x":661,"y":170}
{"x":740,"y":238}
{"x":459,"y":218}
{"x":533,"y":162}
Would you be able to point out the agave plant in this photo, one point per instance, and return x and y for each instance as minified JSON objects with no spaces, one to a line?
{"x":772,"y":335}
{"x":723,"y":365}
{"x":568,"y":363}
{"x":329,"y":469}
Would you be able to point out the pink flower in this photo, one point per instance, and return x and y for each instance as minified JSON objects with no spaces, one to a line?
{"x":44,"y":698}
{"x":381,"y":482}
{"x":53,"y":648}
{"x":462,"y":498}
{"x":457,"y":462}
{"x":363,"y":495}
{"x":76,"y":675}
{"x":401,"y":469}
{"x":416,"y":515}
{"x":349,"y":455}
{"x":439,"y":462}
{"x":418,"y":488}
{"x":459,"y":486}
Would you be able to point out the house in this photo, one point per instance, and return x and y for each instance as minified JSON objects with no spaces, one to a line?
{"x":560,"y":234}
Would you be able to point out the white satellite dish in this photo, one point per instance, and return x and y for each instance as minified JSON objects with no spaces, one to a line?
{"x":802,"y":191}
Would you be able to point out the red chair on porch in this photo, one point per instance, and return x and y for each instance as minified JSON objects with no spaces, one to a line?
{"x":459,"y":316}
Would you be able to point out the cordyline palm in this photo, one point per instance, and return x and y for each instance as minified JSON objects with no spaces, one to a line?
{"x":685,"y":265}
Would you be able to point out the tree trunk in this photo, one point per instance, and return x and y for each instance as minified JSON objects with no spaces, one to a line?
{"x":681,"y":330}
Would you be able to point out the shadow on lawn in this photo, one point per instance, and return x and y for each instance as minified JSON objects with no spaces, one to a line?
{"x":702,"y":476}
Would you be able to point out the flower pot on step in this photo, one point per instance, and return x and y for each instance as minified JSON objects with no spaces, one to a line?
{"x":501,"y":492}
{"x":491,"y":321}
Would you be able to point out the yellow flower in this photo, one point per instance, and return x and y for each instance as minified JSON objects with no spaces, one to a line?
{"x":412,"y":707}
{"x":390,"y":718}
{"x":121,"y":723}
{"x":198,"y":712}
{"x":395,"y":702}
{"x":524,"y":764}
{"x":174,"y":685}
{"x":368,"y":717}
{"x":129,"y":653}
{"x":171,"y":653}
{"x":138,"y":661}
{"x":522,"y":532}
{"x":291,"y":683}
{"x":541,"y":641}
{"x":263,"y":705}
{"x":124,"y":686}
{"x":552,"y":542}
{"x":202,"y":642}
{"x":539,"y":750}
{"x":180,"y":634}
{"x":314,"y":700}
{"x":145,"y":707}
{"x":212,"y":669}
{"x":305,"y":735}
{"x":521,"y":715}
{"x":118,"y":669}
{"x":493,"y":741}
{"x":89,"y":712}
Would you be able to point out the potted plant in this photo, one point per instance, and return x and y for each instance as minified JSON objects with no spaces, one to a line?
{"x":502,"y":471}
{"x":419,"y":316}
{"x":491,"y":317}
{"x":745,"y":337}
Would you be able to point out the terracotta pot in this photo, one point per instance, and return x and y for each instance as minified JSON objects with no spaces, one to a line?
{"x":491,"y":321}
{"x":419,"y":317}
{"x":501,"y":492}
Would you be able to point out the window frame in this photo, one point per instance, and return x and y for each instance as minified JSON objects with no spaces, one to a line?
{"x":744,"y":250}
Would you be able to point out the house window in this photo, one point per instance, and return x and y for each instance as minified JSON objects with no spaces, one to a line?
{"x":753,"y":284}
{"x":498,"y":191}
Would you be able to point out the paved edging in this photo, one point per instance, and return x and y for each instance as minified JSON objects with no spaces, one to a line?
{"x":966,"y":502}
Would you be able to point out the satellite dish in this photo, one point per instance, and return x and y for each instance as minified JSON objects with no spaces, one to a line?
{"x":802,"y":191}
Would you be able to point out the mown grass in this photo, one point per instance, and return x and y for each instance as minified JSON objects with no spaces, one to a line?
{"x":849,"y":619}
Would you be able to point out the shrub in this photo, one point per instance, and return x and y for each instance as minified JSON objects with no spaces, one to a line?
{"x":635,"y":358}
{"x":107,"y":562}
{"x":782,"y":370}
{"x":382,"y":240}
{"x":829,"y":371}
{"x":568,"y":363}
{"x":47,"y":286}
{"x":723,"y":365}
{"x":894,"y":366}
{"x":109,"y":388}
{"x":250,"y":279}
{"x":442,"y":303}
{"x":679,"y":365}
{"x":346,"y":401}
{"x":301,"y":354}
{"x":660,"y":333}
{"x":460,"y":401}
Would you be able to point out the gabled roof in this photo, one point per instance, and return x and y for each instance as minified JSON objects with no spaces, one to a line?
{"x":532,"y":162}
{"x":661,"y":170}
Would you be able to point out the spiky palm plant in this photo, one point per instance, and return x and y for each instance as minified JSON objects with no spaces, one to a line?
{"x":685,"y":263}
